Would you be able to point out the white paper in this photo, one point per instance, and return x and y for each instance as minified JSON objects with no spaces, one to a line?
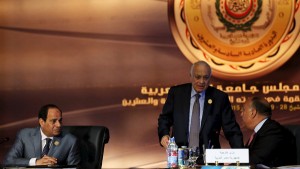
{"x":227,"y":156}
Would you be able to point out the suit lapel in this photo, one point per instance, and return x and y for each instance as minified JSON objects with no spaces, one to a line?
{"x":54,"y":145}
{"x":186,"y":105}
{"x":37,"y":142}
{"x":208,"y":102}
{"x":187,"y":100}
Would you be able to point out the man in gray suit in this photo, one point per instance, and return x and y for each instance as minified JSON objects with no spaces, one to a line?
{"x":31,"y":148}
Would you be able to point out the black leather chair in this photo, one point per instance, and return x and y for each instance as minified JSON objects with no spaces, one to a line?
{"x":92,"y":140}
{"x":295,"y":129}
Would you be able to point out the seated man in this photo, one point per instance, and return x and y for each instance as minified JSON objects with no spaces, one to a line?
{"x":31,"y":148}
{"x":272,"y":145}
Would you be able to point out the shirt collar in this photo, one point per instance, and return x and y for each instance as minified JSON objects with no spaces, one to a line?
{"x":259,"y":125}
{"x":44,"y":136}
{"x":194,"y":92}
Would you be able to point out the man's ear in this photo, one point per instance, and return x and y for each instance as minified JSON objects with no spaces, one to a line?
{"x":253,"y":112}
{"x":41,"y":122}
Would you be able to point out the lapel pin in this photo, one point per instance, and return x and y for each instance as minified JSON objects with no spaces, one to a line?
{"x":56,"y":143}
{"x":209,"y":101}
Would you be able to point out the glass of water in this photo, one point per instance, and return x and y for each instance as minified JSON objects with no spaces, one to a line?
{"x":194,"y":153}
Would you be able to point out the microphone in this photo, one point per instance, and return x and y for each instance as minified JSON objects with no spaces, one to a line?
{"x":3,"y":139}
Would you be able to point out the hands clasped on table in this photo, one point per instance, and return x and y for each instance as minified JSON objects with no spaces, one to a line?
{"x":46,"y":160}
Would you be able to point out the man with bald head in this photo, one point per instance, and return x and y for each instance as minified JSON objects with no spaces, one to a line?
{"x":196,"y":112}
{"x":270,"y":144}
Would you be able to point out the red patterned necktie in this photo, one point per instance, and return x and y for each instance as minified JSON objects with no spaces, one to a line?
{"x":251,"y":138}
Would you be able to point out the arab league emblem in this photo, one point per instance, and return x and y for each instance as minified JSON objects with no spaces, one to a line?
{"x":238,"y":15}
{"x":240,"y":39}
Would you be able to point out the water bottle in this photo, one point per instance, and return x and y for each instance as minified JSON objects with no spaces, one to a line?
{"x":172,"y":153}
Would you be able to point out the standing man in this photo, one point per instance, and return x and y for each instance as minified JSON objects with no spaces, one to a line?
{"x":270,"y":144}
{"x":197,"y":112}
{"x":44,"y":145}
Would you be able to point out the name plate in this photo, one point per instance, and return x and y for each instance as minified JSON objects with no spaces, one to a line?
{"x":227,"y":156}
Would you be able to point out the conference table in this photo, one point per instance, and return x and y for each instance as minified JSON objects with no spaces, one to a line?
{"x":75,"y":167}
{"x":197,"y":167}
{"x":42,"y":166}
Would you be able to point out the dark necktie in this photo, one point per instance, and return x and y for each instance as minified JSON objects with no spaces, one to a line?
{"x":195,"y":124}
{"x":251,"y":138}
{"x":46,"y":147}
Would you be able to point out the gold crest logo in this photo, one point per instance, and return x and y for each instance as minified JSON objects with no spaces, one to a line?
{"x":239,"y":39}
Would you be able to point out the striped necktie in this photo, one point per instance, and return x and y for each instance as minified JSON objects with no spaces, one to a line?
{"x":46,"y":147}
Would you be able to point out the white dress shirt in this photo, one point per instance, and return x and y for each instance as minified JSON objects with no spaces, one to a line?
{"x":32,"y":161}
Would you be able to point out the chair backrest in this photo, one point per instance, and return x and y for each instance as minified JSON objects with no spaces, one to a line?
{"x":92,"y":140}
{"x":295,"y":129}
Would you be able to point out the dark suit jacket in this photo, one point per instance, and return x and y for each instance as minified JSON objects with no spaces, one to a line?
{"x":217,"y":114}
{"x":273,"y":146}
{"x":28,"y":145}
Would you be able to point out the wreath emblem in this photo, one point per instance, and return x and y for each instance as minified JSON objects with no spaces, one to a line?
{"x":238,"y":14}
{"x":240,"y":39}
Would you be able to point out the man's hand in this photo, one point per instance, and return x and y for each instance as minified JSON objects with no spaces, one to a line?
{"x":165,"y":141}
{"x":46,"y":160}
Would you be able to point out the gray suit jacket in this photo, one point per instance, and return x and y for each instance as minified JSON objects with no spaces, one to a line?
{"x":28,"y":145}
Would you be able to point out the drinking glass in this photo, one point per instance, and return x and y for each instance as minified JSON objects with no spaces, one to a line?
{"x":194,"y":153}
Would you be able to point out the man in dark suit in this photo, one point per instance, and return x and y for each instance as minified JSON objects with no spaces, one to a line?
{"x":214,"y":111}
{"x":271,"y":144}
{"x":30,"y":147}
